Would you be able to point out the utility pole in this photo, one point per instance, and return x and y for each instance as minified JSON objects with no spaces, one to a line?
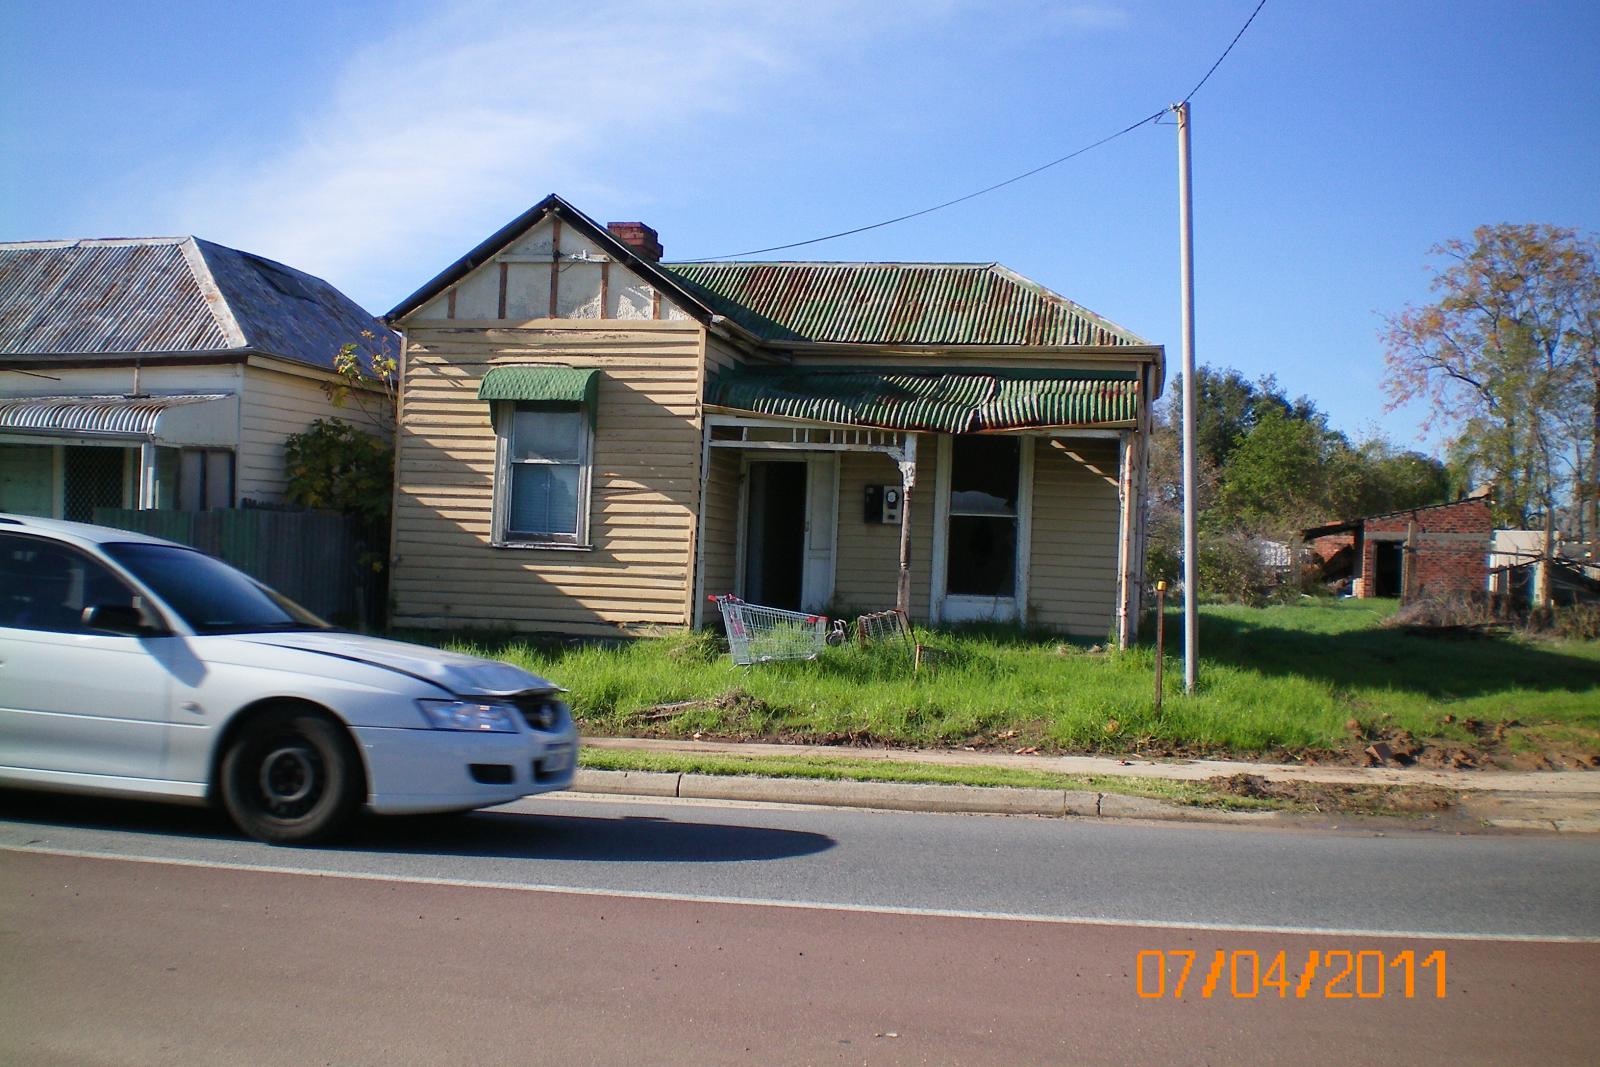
{"x":1191,"y":611}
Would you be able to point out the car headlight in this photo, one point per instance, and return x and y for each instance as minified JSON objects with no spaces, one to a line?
{"x":546,"y":714}
{"x":469,"y":715}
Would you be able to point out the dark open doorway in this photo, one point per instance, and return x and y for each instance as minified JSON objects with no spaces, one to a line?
{"x":1388,"y":568}
{"x":775,"y":531}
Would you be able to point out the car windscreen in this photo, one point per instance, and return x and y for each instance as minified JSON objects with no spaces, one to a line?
{"x":211,"y":596}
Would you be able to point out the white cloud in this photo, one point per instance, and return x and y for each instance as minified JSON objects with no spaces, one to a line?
{"x":490,"y":103}
{"x":1095,"y":16}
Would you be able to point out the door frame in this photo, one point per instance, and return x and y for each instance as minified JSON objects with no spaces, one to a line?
{"x":944,"y":607}
{"x":819,"y":572}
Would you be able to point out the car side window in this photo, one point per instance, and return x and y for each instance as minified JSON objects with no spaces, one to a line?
{"x":47,"y":586}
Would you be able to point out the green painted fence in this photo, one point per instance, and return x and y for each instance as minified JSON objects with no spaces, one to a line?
{"x":311,"y":557}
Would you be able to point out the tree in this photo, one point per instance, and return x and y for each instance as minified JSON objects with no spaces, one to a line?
{"x":335,"y":466}
{"x":367,"y":371}
{"x":1268,"y":468}
{"x":1509,"y":356}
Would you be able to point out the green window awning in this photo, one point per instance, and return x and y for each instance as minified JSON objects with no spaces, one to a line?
{"x":559,"y":385}
{"x":953,"y":402}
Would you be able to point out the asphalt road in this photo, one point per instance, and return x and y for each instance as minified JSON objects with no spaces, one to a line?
{"x":586,"y":931}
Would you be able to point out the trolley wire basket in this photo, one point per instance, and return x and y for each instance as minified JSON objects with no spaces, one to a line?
{"x":759,"y":634}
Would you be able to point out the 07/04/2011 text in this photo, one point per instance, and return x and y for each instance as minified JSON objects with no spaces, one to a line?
{"x":1243,"y":974}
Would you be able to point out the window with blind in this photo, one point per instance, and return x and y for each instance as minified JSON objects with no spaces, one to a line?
{"x":542,"y":485}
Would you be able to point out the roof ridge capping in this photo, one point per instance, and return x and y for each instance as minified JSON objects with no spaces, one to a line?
{"x":95,"y":242}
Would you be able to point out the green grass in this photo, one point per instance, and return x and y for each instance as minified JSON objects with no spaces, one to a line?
{"x":845,"y":769}
{"x":1286,"y":677}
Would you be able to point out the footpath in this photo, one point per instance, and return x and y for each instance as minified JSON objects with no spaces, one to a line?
{"x":1458,"y":800}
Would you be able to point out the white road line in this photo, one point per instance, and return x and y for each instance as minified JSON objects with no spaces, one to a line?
{"x":810,"y":905}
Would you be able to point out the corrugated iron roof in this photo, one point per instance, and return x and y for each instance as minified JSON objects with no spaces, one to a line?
{"x":895,"y":303}
{"x":945,"y":403}
{"x":120,"y":415}
{"x":168,"y":295}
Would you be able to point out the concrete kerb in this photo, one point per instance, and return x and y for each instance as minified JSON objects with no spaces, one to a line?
{"x":900,"y":796}
{"x":1537,"y":807}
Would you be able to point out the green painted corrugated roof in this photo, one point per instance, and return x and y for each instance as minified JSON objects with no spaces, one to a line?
{"x":565,"y":385}
{"x":895,"y":303}
{"x":968,"y":402}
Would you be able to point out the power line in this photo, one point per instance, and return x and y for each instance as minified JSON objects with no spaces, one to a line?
{"x":950,"y":203}
{"x":1225,"y":51}
{"x":1009,"y":181}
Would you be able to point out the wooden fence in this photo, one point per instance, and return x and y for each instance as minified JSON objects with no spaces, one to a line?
{"x":312,"y":557}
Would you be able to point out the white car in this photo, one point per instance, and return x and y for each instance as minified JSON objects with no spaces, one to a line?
{"x":137,"y":667}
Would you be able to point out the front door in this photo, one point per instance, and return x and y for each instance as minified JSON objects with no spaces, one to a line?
{"x":789,"y":529}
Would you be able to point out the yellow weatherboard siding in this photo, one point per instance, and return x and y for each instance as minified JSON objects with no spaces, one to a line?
{"x":868,"y":564}
{"x":1076,"y":522}
{"x":643,"y":496}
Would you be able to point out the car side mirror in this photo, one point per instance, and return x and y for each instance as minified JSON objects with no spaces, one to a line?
{"x":118,"y":619}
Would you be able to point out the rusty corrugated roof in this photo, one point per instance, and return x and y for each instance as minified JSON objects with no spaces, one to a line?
{"x":168,"y":295}
{"x":962,"y":402}
{"x":895,"y":303}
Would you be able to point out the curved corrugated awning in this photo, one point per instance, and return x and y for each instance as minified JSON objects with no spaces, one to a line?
{"x":204,"y":419}
{"x":965,"y":402}
{"x":563,"y":385}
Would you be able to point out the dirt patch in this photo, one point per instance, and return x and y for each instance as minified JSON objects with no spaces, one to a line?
{"x":1327,"y":796}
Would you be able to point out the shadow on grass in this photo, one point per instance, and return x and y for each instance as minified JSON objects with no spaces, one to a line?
{"x":482,"y":835}
{"x":1435,"y":666}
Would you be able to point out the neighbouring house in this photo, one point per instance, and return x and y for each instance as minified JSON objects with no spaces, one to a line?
{"x":591,"y":440}
{"x":1439,"y":550}
{"x":1517,"y":564}
{"x":158,"y":373}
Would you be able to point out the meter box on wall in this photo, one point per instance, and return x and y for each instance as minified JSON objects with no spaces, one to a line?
{"x":883,"y":504}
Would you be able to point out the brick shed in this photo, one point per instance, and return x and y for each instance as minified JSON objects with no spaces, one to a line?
{"x":1430,"y":551}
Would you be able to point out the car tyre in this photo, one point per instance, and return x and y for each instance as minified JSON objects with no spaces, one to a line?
{"x":290,"y":777}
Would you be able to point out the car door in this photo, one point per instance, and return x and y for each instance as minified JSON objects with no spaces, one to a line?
{"x":75,"y":700}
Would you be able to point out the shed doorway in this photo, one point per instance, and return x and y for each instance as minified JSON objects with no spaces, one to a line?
{"x":1388,"y":568}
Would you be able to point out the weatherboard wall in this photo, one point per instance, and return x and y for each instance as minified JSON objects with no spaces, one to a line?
{"x":644,"y":493}
{"x":867,"y":568}
{"x":1076,"y":526}
{"x":274,"y":405}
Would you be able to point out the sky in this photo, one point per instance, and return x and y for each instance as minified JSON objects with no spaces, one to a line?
{"x":372,"y":143}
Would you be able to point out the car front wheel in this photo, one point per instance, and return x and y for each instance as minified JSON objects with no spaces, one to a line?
{"x":289,"y":778}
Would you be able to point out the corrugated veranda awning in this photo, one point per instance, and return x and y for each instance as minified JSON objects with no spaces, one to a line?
{"x":961,"y":402}
{"x":561,"y":385}
{"x":196,"y":419}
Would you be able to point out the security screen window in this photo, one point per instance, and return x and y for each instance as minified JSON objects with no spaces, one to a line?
{"x":544,"y":475}
{"x":982,"y":553}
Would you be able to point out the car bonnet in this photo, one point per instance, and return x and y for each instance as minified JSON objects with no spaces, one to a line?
{"x":456,"y":672}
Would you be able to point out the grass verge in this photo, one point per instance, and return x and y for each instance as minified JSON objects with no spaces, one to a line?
{"x":1324,"y":678}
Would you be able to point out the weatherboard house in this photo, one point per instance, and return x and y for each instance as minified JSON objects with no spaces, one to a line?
{"x":159,"y":373}
{"x":592,"y":440}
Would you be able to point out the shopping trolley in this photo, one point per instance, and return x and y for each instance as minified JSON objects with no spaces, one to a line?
{"x":759,"y":634}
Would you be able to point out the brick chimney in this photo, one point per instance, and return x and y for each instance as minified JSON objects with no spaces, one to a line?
{"x":644,"y":241}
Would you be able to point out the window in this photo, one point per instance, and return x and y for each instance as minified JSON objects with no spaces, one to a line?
{"x":205,"y":479}
{"x":46,"y":586}
{"x":982,"y":553}
{"x":542,"y":484}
